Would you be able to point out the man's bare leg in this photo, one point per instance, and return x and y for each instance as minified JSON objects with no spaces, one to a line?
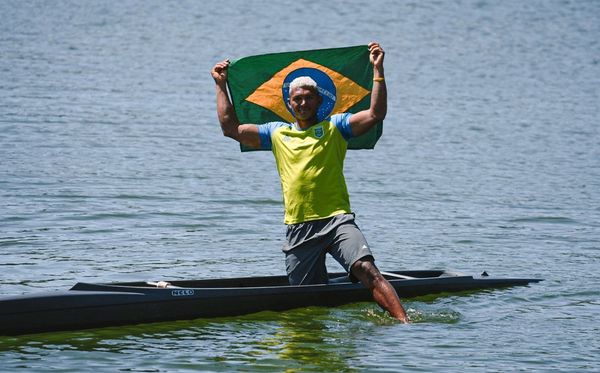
{"x":383,"y":292}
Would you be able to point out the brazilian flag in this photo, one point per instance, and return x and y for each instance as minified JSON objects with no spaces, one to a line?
{"x":259,"y":86}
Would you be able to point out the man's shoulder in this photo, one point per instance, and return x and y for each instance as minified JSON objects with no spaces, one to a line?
{"x":340,"y":117}
{"x":270,"y":127}
{"x":266,"y":130}
{"x":342,"y":123}
{"x":274,"y":125}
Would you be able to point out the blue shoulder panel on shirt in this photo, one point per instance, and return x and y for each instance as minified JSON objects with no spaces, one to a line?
{"x":342,"y":122}
{"x":265,"y":131}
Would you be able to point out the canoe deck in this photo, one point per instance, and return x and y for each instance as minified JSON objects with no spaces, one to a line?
{"x":248,"y":282}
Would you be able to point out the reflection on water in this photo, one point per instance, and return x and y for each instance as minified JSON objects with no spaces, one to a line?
{"x":307,"y":339}
{"x":311,"y":341}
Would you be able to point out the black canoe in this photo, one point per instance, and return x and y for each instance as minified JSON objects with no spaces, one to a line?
{"x":99,"y":305}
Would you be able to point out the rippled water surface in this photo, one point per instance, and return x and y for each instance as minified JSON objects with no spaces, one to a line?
{"x":113,"y":168}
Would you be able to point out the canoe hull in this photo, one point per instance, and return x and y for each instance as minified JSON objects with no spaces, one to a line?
{"x":99,"y":305}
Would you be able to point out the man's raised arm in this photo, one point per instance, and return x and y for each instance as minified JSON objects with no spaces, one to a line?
{"x":363,"y":121}
{"x":246,"y":134}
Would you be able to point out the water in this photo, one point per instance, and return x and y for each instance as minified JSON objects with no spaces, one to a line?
{"x":112,"y":167}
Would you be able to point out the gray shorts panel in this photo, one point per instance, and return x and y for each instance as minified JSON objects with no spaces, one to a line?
{"x":310,"y":241}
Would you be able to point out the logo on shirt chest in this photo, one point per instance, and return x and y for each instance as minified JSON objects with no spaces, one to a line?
{"x":318,"y":132}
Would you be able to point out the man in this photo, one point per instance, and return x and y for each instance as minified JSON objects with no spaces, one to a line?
{"x":309,"y":155}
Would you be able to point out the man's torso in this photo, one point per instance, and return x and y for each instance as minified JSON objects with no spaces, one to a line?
{"x":310,"y":164}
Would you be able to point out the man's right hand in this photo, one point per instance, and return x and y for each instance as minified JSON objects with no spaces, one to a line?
{"x":219,"y":72}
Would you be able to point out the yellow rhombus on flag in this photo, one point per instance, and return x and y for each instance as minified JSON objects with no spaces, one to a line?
{"x":259,"y":86}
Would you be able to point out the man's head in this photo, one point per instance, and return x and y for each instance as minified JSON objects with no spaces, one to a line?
{"x":305,"y":99}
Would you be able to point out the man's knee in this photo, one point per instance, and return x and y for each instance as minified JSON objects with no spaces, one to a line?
{"x":366,"y":271}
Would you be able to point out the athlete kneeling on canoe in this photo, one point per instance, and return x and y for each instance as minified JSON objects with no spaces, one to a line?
{"x":310,"y":155}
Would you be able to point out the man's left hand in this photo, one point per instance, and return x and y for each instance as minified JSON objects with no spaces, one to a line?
{"x":376,"y":54}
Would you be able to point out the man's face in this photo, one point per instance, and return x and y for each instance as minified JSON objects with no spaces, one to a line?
{"x":305,"y":103}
